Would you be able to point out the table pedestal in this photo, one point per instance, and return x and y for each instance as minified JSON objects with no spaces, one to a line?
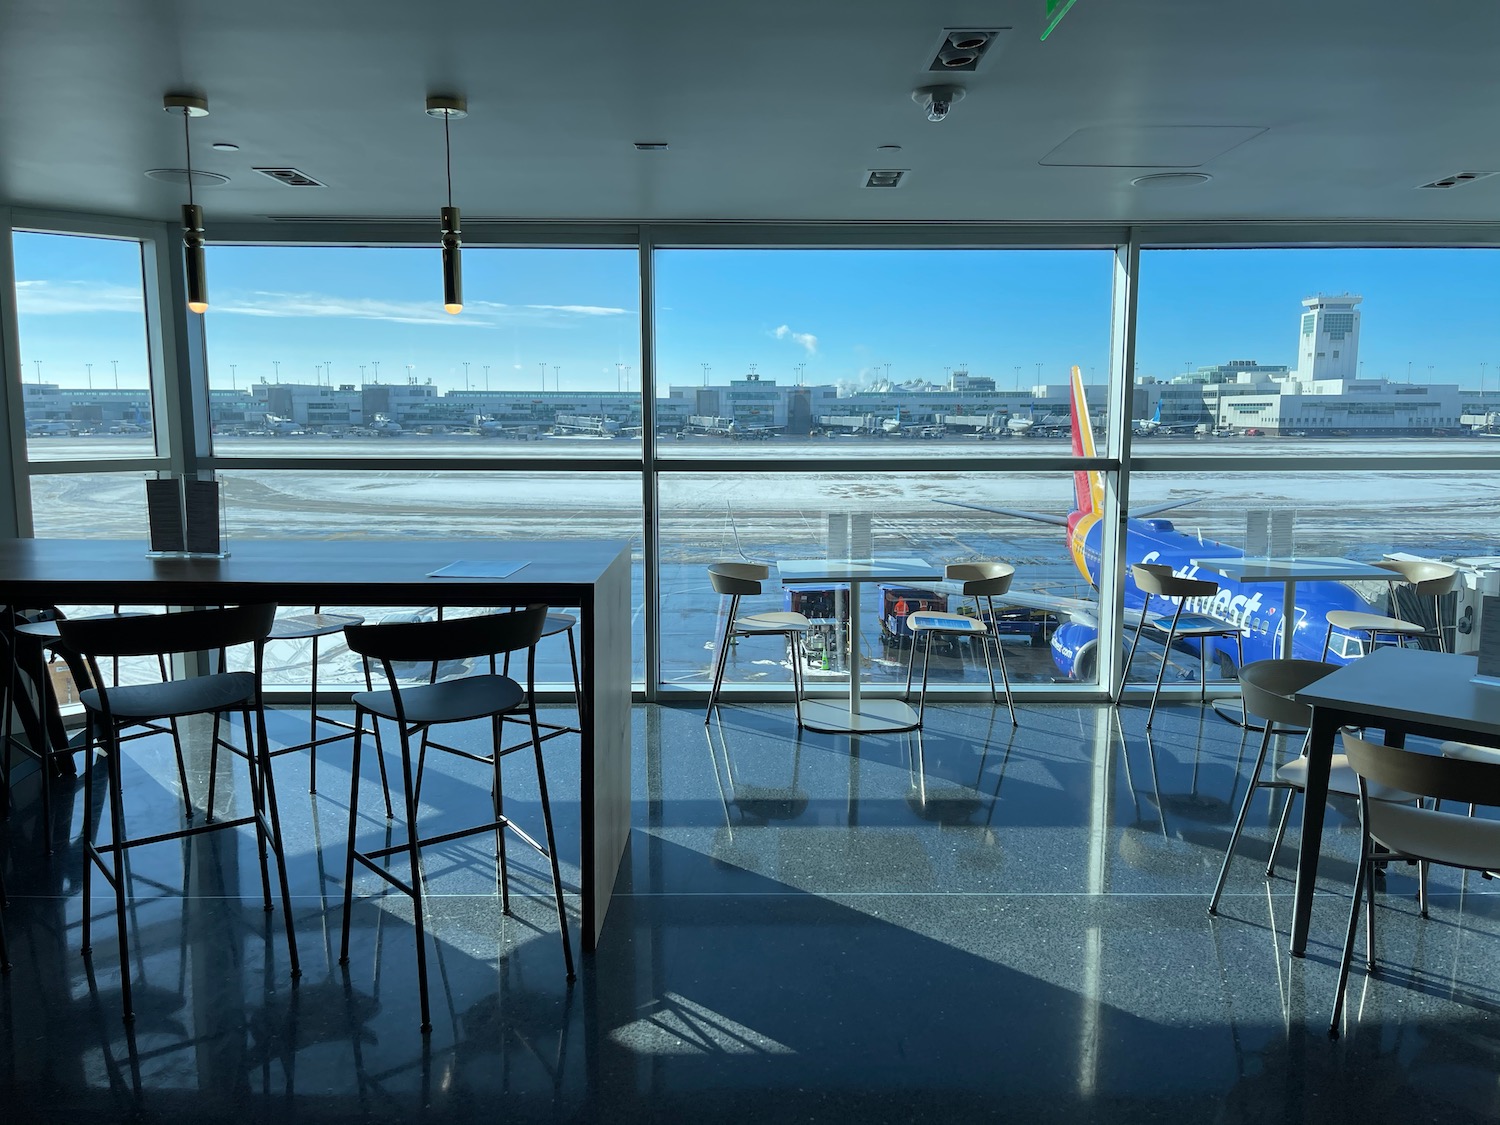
{"x":874,"y":716}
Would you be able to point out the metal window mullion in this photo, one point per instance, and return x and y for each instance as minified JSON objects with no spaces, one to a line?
{"x":15,"y":496}
{"x":650,"y":494}
{"x":1123,"y":313}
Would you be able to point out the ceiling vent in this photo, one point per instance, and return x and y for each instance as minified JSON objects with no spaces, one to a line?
{"x":961,"y":49}
{"x":885,"y":177}
{"x":1458,"y":179}
{"x":290,"y":176}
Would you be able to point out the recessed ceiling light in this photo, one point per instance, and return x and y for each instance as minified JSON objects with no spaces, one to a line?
{"x":1171,"y":180}
{"x":888,"y":148}
{"x":180,"y":176}
{"x":650,"y":146}
{"x":225,"y":146}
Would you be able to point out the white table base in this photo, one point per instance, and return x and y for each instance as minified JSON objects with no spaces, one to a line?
{"x":874,"y":716}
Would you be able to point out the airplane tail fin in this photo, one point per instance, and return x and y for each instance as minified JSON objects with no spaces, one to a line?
{"x":1088,"y":485}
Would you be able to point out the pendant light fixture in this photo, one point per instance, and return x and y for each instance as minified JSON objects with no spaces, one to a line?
{"x":191,"y":106}
{"x":450,"y":109}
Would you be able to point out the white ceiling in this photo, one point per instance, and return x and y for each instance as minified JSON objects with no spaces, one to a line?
{"x":774,"y":110}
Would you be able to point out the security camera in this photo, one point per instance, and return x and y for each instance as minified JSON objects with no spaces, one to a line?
{"x":938,"y":100}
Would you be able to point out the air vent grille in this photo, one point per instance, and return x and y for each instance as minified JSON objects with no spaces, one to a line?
{"x":292,"y":177}
{"x":961,"y":49}
{"x":885,"y":177}
{"x":1458,"y":179}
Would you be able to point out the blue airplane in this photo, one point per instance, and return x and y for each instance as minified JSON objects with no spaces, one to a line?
{"x":1255,"y":608}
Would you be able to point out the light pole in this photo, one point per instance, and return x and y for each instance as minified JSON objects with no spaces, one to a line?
{"x":620,"y":376}
{"x":1039,"y":374}
{"x":232,"y":368}
{"x":375,"y":363}
{"x":328,"y":371}
{"x":801,"y":369}
{"x":627,"y":378}
{"x":318,"y":375}
{"x":276,"y":363}
{"x":90,"y":367}
{"x":486,"y":378}
{"x":1018,"y":376}
{"x":1430,"y":368}
{"x":409,"y":367}
{"x":38,"y":371}
{"x":543,"y":366}
{"x":361,"y":374}
{"x":466,"y":376}
{"x":115,"y":363}
{"x":706,"y":370}
{"x":887,"y":372}
{"x":557,"y":376}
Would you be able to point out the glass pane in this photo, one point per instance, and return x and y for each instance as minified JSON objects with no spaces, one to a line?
{"x":1317,"y":352}
{"x":768,"y":517}
{"x":877,"y":353}
{"x":376,"y":504}
{"x":86,"y":370}
{"x":89,"y":506}
{"x":1364,"y":516}
{"x":344,"y":351}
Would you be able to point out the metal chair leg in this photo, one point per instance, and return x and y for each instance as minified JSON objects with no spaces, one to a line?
{"x":1239,"y":824}
{"x":720,"y":664}
{"x":1161,"y":675}
{"x":1286,"y":818}
{"x":1004,"y":672}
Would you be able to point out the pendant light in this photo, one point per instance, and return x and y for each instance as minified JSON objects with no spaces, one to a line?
{"x":450,"y":109}
{"x":191,"y":106}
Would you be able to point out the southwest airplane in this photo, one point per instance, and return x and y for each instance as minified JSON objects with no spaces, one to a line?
{"x":1254,"y":608}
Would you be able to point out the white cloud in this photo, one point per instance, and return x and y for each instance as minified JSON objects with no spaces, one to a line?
{"x":476,"y":314}
{"x":54,"y":298}
{"x":806,"y":339}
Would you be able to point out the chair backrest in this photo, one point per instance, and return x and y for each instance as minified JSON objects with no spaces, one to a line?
{"x":458,"y":638}
{"x":1267,"y":687}
{"x":986,"y":578}
{"x":1427,"y":775}
{"x":737,"y":577}
{"x":194,"y":630}
{"x":1158,"y":579}
{"x":1426,"y":578}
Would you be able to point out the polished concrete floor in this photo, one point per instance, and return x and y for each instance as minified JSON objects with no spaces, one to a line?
{"x":985,"y":923}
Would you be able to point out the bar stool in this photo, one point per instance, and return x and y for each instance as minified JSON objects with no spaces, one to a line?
{"x":416,"y":709}
{"x":112,"y":709}
{"x":315,"y":626}
{"x":1156,"y":580}
{"x":976,"y":580}
{"x":737,"y":579}
{"x":1426,"y":579}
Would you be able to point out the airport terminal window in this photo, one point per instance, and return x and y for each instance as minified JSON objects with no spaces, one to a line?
{"x":85,"y":363}
{"x":853,"y":354}
{"x":1390,"y":383}
{"x":455,"y":504}
{"x":768,"y":516}
{"x":345,"y":351}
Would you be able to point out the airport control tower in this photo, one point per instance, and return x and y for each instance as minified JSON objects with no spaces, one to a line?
{"x":1328,"y":345}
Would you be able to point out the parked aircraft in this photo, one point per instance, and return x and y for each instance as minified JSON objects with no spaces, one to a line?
{"x":1254,"y":607}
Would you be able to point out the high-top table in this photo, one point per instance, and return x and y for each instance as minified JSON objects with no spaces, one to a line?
{"x":859,"y":716}
{"x":1289,"y":572}
{"x":592,"y":575}
{"x":1401,"y":691}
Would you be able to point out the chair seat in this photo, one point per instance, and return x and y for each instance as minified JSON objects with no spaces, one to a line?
{"x":1442,"y":837}
{"x":196,"y":695}
{"x":1192,"y":625}
{"x":1341,"y":779}
{"x":775,"y":621}
{"x":301,"y":626}
{"x":1373,"y":623}
{"x":47,"y":631}
{"x":558,"y":623}
{"x":939,"y":622}
{"x":1469,"y":752}
{"x":450,"y":701}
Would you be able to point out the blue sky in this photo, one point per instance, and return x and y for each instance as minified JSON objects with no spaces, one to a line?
{"x":570,"y":317}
